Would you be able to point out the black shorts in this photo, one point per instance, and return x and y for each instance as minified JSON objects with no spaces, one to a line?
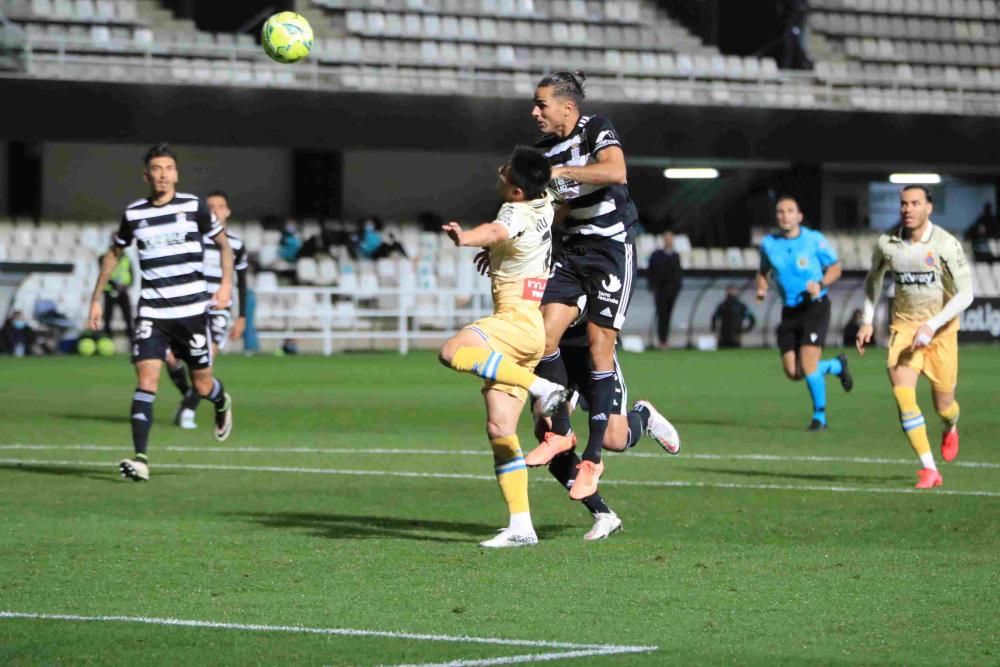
{"x":806,"y":324}
{"x":218,"y":323}
{"x":188,"y":337}
{"x":597,"y":272}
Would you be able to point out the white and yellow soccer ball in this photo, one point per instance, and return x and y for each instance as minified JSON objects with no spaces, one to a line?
{"x":287,"y":37}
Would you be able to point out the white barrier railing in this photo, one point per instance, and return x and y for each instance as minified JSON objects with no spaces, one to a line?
{"x":332,"y":315}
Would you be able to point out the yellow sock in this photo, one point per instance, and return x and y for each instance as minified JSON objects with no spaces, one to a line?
{"x":912,"y":421}
{"x":950,"y":414}
{"x":512,"y":475}
{"x":491,"y":365}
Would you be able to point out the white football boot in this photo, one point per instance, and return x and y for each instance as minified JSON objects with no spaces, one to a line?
{"x":605,"y":525}
{"x":660,"y":429}
{"x":134,"y":469}
{"x":508,"y":538}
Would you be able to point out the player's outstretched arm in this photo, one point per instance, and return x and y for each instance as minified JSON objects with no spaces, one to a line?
{"x":108,"y":263}
{"x":481,"y":236}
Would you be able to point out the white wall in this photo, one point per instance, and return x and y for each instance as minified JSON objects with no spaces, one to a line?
{"x":83,"y":181}
{"x":397,"y":185}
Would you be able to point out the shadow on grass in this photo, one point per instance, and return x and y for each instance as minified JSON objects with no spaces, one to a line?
{"x":88,"y":417}
{"x":64,"y":471}
{"x":343,"y":526}
{"x":810,"y":477}
{"x":735,"y":422}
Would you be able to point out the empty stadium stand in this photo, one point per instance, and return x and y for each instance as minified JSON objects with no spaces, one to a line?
{"x":931,"y":56}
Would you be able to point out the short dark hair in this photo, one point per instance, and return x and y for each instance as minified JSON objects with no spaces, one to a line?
{"x":159,"y":150}
{"x":566,"y":84}
{"x":782,"y":198}
{"x":915,"y":186}
{"x":529,"y":170}
{"x":218,"y":193}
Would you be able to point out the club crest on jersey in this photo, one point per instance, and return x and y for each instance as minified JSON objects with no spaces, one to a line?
{"x":802,"y":262}
{"x":929,"y":260}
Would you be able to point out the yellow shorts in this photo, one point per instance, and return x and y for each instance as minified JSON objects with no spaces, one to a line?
{"x":519,"y":335}
{"x":937,"y":361}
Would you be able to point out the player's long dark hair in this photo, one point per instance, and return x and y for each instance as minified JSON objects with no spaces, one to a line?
{"x":566,"y":85}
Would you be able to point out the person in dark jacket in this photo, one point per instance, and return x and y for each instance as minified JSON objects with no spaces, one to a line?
{"x":732,"y":319}
{"x":665,"y":279}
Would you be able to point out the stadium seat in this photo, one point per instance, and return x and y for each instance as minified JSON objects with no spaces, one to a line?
{"x":326,"y":271}
{"x":306,"y":271}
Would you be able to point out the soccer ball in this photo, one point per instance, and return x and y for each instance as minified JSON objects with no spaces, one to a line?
{"x":287,"y":37}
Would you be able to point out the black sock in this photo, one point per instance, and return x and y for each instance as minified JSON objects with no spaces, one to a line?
{"x":178,"y":375}
{"x":602,"y":398}
{"x":142,"y":421}
{"x":191,"y":400}
{"x":217,"y":395}
{"x":638,"y":417}
{"x":553,"y":369}
{"x":563,"y":468}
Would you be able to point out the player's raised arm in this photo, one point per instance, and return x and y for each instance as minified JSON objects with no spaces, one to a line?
{"x":873,"y":292}
{"x":608,"y":170}
{"x":481,"y":236}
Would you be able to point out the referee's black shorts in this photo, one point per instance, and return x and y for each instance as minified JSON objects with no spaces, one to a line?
{"x":805,"y":324}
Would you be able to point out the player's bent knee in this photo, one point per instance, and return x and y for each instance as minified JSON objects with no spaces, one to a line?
{"x":496,"y":430}
{"x":203,"y":384}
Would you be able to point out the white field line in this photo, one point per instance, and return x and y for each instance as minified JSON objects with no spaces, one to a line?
{"x":469,"y":476}
{"x":576,"y":650}
{"x":864,"y":460}
{"x":535,"y":657}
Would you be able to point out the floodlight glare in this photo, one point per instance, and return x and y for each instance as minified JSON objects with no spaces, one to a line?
{"x":691,"y":172}
{"x":915,"y":179}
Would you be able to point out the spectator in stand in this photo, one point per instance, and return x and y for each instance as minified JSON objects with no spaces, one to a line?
{"x":665,"y":279}
{"x":980,"y":233}
{"x":370,"y":237}
{"x":851,"y":328}
{"x":732,"y":319}
{"x":291,"y":242}
{"x":16,"y":336}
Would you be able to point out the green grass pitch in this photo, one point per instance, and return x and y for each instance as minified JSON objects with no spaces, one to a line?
{"x":339,"y":524}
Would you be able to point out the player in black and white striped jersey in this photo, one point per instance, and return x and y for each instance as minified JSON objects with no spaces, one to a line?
{"x":167,"y":227}
{"x":220,"y":320}
{"x":596,"y":261}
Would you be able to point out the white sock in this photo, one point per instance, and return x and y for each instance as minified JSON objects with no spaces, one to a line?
{"x":928,"y":461}
{"x":520,"y":523}
{"x":541,"y":387}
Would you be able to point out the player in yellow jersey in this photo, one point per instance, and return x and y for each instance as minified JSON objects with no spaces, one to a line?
{"x":505,"y":347}
{"x":933,"y":286}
